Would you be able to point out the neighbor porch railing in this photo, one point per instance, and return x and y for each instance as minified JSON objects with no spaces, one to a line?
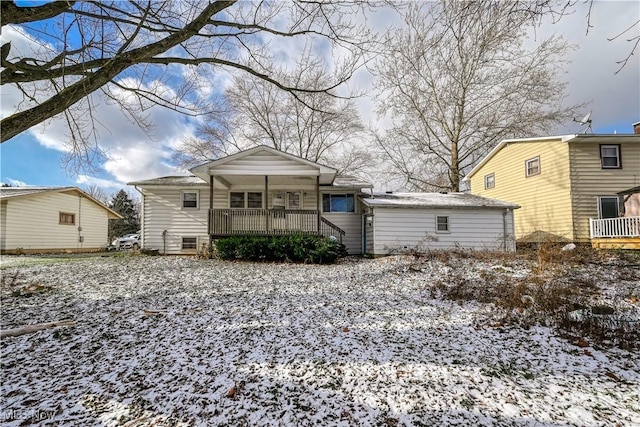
{"x":615,"y":227}
{"x":269,"y":222}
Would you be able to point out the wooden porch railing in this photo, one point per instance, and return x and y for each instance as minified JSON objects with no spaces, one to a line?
{"x":615,"y":227}
{"x":269,"y":222}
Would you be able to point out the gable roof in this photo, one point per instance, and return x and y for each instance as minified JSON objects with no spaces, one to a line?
{"x":434,"y":200}
{"x":574,"y":138}
{"x":10,"y":193}
{"x":260,"y":161}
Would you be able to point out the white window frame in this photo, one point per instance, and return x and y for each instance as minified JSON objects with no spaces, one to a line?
{"x":527,"y":167}
{"x":448,"y":223}
{"x":245,"y":202}
{"x":618,"y":157}
{"x":492,"y":177}
{"x":182,"y":243}
{"x":185,"y":192}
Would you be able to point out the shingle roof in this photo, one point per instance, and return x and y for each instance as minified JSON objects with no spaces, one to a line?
{"x":172,"y":180}
{"x":351,"y":182}
{"x":434,"y":200}
{"x":7,"y":192}
{"x":15,"y":192}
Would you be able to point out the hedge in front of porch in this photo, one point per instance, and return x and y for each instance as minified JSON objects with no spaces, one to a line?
{"x":303,"y":248}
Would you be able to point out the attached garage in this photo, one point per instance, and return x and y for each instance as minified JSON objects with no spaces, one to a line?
{"x":401,"y":222}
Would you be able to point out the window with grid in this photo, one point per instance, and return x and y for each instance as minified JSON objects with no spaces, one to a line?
{"x":610,"y":157}
{"x":532,"y":166}
{"x":66,"y":218}
{"x":442,"y":224}
{"x":190,"y":199}
{"x":242,"y":200}
{"x":489,"y":181}
{"x":189,"y":243}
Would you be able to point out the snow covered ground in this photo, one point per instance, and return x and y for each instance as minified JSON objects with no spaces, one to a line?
{"x":180,"y":341}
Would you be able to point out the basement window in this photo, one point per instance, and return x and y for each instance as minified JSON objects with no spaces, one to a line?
{"x":189,"y":243}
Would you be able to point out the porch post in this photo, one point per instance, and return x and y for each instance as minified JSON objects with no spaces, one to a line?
{"x":266,"y":201}
{"x":209,"y":219}
{"x":319,"y":203}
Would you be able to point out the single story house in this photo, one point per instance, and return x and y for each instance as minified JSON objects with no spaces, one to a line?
{"x":52,"y":219}
{"x":264,"y":191}
{"x":397,"y":222}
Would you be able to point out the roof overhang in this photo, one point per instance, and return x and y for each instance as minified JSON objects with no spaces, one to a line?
{"x":25,"y":192}
{"x":252,"y":165}
{"x":574,"y":138}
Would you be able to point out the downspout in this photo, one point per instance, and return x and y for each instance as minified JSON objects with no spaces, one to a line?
{"x":210,"y":214}
{"x":266,"y":201}
{"x":80,"y":238}
{"x":319,"y":202}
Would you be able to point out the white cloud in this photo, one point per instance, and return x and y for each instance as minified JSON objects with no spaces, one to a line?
{"x":99,"y":182}
{"x":14,"y":182}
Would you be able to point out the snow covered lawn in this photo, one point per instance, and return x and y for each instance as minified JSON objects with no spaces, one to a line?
{"x":166,"y":341}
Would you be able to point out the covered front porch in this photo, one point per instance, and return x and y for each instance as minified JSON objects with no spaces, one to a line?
{"x":615,"y":233}
{"x":263,"y":191}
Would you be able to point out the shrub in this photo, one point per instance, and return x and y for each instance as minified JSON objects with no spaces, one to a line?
{"x":304,"y":248}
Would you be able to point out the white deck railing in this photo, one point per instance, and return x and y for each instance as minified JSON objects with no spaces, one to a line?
{"x":615,"y":227}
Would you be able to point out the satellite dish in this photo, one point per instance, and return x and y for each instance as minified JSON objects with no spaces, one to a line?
{"x":586,"y":121}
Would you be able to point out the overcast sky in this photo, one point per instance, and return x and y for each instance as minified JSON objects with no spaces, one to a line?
{"x":33,"y":158}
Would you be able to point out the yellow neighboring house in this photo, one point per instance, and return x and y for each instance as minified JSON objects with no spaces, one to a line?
{"x":561,"y":182}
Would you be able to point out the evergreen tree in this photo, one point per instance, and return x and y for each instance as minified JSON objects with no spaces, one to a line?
{"x":130,"y":223}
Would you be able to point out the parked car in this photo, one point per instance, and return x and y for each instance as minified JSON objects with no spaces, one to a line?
{"x":128,"y":241}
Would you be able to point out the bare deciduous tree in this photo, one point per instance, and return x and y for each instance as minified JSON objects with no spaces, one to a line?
{"x":154,"y":52}
{"x":314,"y":125}
{"x":456,"y":80}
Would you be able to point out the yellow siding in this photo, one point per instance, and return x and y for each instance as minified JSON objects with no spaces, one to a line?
{"x":544,"y":199}
{"x":589,"y":180}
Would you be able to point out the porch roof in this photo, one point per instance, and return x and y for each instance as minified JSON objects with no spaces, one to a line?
{"x":250,"y":166}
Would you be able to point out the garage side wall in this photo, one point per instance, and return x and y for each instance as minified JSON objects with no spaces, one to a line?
{"x":33,"y":224}
{"x":397,"y":230}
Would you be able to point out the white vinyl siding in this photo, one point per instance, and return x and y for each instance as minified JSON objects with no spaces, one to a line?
{"x":33,"y":223}
{"x":163,"y":211}
{"x":399,"y":229}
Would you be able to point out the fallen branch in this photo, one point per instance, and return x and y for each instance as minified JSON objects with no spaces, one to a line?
{"x":29,"y":329}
